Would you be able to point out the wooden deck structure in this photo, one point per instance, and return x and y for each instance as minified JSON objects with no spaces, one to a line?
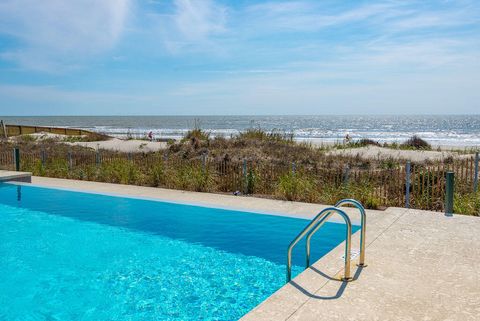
{"x":16,"y":130}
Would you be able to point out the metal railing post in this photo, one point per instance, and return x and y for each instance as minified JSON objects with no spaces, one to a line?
{"x":407,"y":184}
{"x":16,"y":157}
{"x":363,"y":225}
{"x":449,"y":192}
{"x":320,"y":219}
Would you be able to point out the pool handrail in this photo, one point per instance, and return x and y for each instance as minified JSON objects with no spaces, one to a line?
{"x":323,"y":216}
{"x":363,"y":227}
{"x":363,"y":224}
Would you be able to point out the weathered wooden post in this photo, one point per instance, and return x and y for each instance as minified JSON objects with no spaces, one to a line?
{"x":70,"y":161}
{"x":475,"y":179}
{"x":16,"y":157}
{"x":244,"y":172}
{"x":294,"y":168}
{"x":204,"y":163}
{"x":97,"y":155}
{"x":97,"y":158}
{"x":43,"y":157}
{"x":407,"y":184}
{"x":449,"y":192}
{"x":346,"y":175}
{"x":3,"y":129}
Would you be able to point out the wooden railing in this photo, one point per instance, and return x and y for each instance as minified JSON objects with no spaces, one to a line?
{"x":16,"y":130}
{"x":322,"y":182}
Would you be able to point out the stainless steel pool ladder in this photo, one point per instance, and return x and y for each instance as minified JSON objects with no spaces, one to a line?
{"x":318,"y":222}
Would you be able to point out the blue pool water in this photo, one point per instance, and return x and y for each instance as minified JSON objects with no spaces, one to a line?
{"x":77,"y":256}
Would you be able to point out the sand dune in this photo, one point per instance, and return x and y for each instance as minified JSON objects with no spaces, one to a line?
{"x":375,"y":152}
{"x":126,"y":146}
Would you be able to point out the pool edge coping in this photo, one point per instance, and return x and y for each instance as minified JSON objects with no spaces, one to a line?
{"x":250,"y":204}
{"x":290,"y":298}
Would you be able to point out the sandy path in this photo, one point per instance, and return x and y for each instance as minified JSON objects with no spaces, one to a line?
{"x":375,"y":152}
{"x":126,"y":146}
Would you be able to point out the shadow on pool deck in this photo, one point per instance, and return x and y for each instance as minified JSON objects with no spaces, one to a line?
{"x":421,"y":266}
{"x":340,"y":291}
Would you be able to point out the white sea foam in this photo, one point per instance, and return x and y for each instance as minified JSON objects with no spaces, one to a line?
{"x":455,"y":130}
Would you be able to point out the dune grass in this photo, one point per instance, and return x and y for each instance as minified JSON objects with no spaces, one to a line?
{"x":254,"y":162}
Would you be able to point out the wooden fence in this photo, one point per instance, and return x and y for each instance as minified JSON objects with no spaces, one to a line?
{"x":323,"y":181}
{"x":16,"y":130}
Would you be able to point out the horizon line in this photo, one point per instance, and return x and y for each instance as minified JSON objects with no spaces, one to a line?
{"x":241,"y":115}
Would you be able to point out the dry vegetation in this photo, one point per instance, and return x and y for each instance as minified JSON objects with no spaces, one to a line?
{"x":265,"y":164}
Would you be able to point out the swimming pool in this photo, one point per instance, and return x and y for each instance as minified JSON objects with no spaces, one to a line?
{"x":68,"y":255}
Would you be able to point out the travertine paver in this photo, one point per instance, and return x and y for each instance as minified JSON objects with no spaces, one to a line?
{"x":424,"y":266}
{"x":15,"y":176}
{"x":421,"y":265}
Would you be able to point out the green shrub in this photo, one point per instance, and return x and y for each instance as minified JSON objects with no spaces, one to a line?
{"x":361,"y":143}
{"x":363,"y":191}
{"x":371,"y":202}
{"x":389,"y":163}
{"x":196,"y":133}
{"x":157,"y":174}
{"x":90,"y":137}
{"x":416,"y":142}
{"x":33,"y":166}
{"x":296,"y":187}
{"x":258,"y":134}
{"x":189,"y":176}
{"x":26,"y":139}
{"x":120,"y":171}
{"x":468,"y":204}
{"x":56,"y":167}
{"x":251,"y":180}
{"x":331,"y":194}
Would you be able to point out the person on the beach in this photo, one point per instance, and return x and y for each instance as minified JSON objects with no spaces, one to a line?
{"x":150,"y":136}
{"x":347,"y":138}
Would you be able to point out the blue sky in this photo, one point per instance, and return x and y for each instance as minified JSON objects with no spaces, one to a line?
{"x":239,"y":57}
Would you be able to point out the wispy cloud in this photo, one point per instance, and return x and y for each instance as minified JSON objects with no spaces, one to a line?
{"x":197,"y":19}
{"x":312,"y":16}
{"x":191,"y":24}
{"x":53,"y":33}
{"x":301,"y":53}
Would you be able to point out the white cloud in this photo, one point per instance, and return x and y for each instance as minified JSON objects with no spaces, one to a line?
{"x":311,"y":16}
{"x":325,"y":92}
{"x":398,"y":16}
{"x":193,"y":24}
{"x":52,"y":33}
{"x":197,"y":19}
{"x":277,"y":55}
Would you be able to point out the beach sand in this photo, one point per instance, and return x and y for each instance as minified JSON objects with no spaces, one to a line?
{"x":113,"y":144}
{"x":375,"y":152}
{"x":125,"y":146}
{"x":367,"y":152}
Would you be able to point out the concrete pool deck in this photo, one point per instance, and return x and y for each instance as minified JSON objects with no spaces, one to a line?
{"x":6,"y":176}
{"x":421,"y":265}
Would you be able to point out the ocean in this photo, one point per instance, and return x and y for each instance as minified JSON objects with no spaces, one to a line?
{"x":441,"y":130}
